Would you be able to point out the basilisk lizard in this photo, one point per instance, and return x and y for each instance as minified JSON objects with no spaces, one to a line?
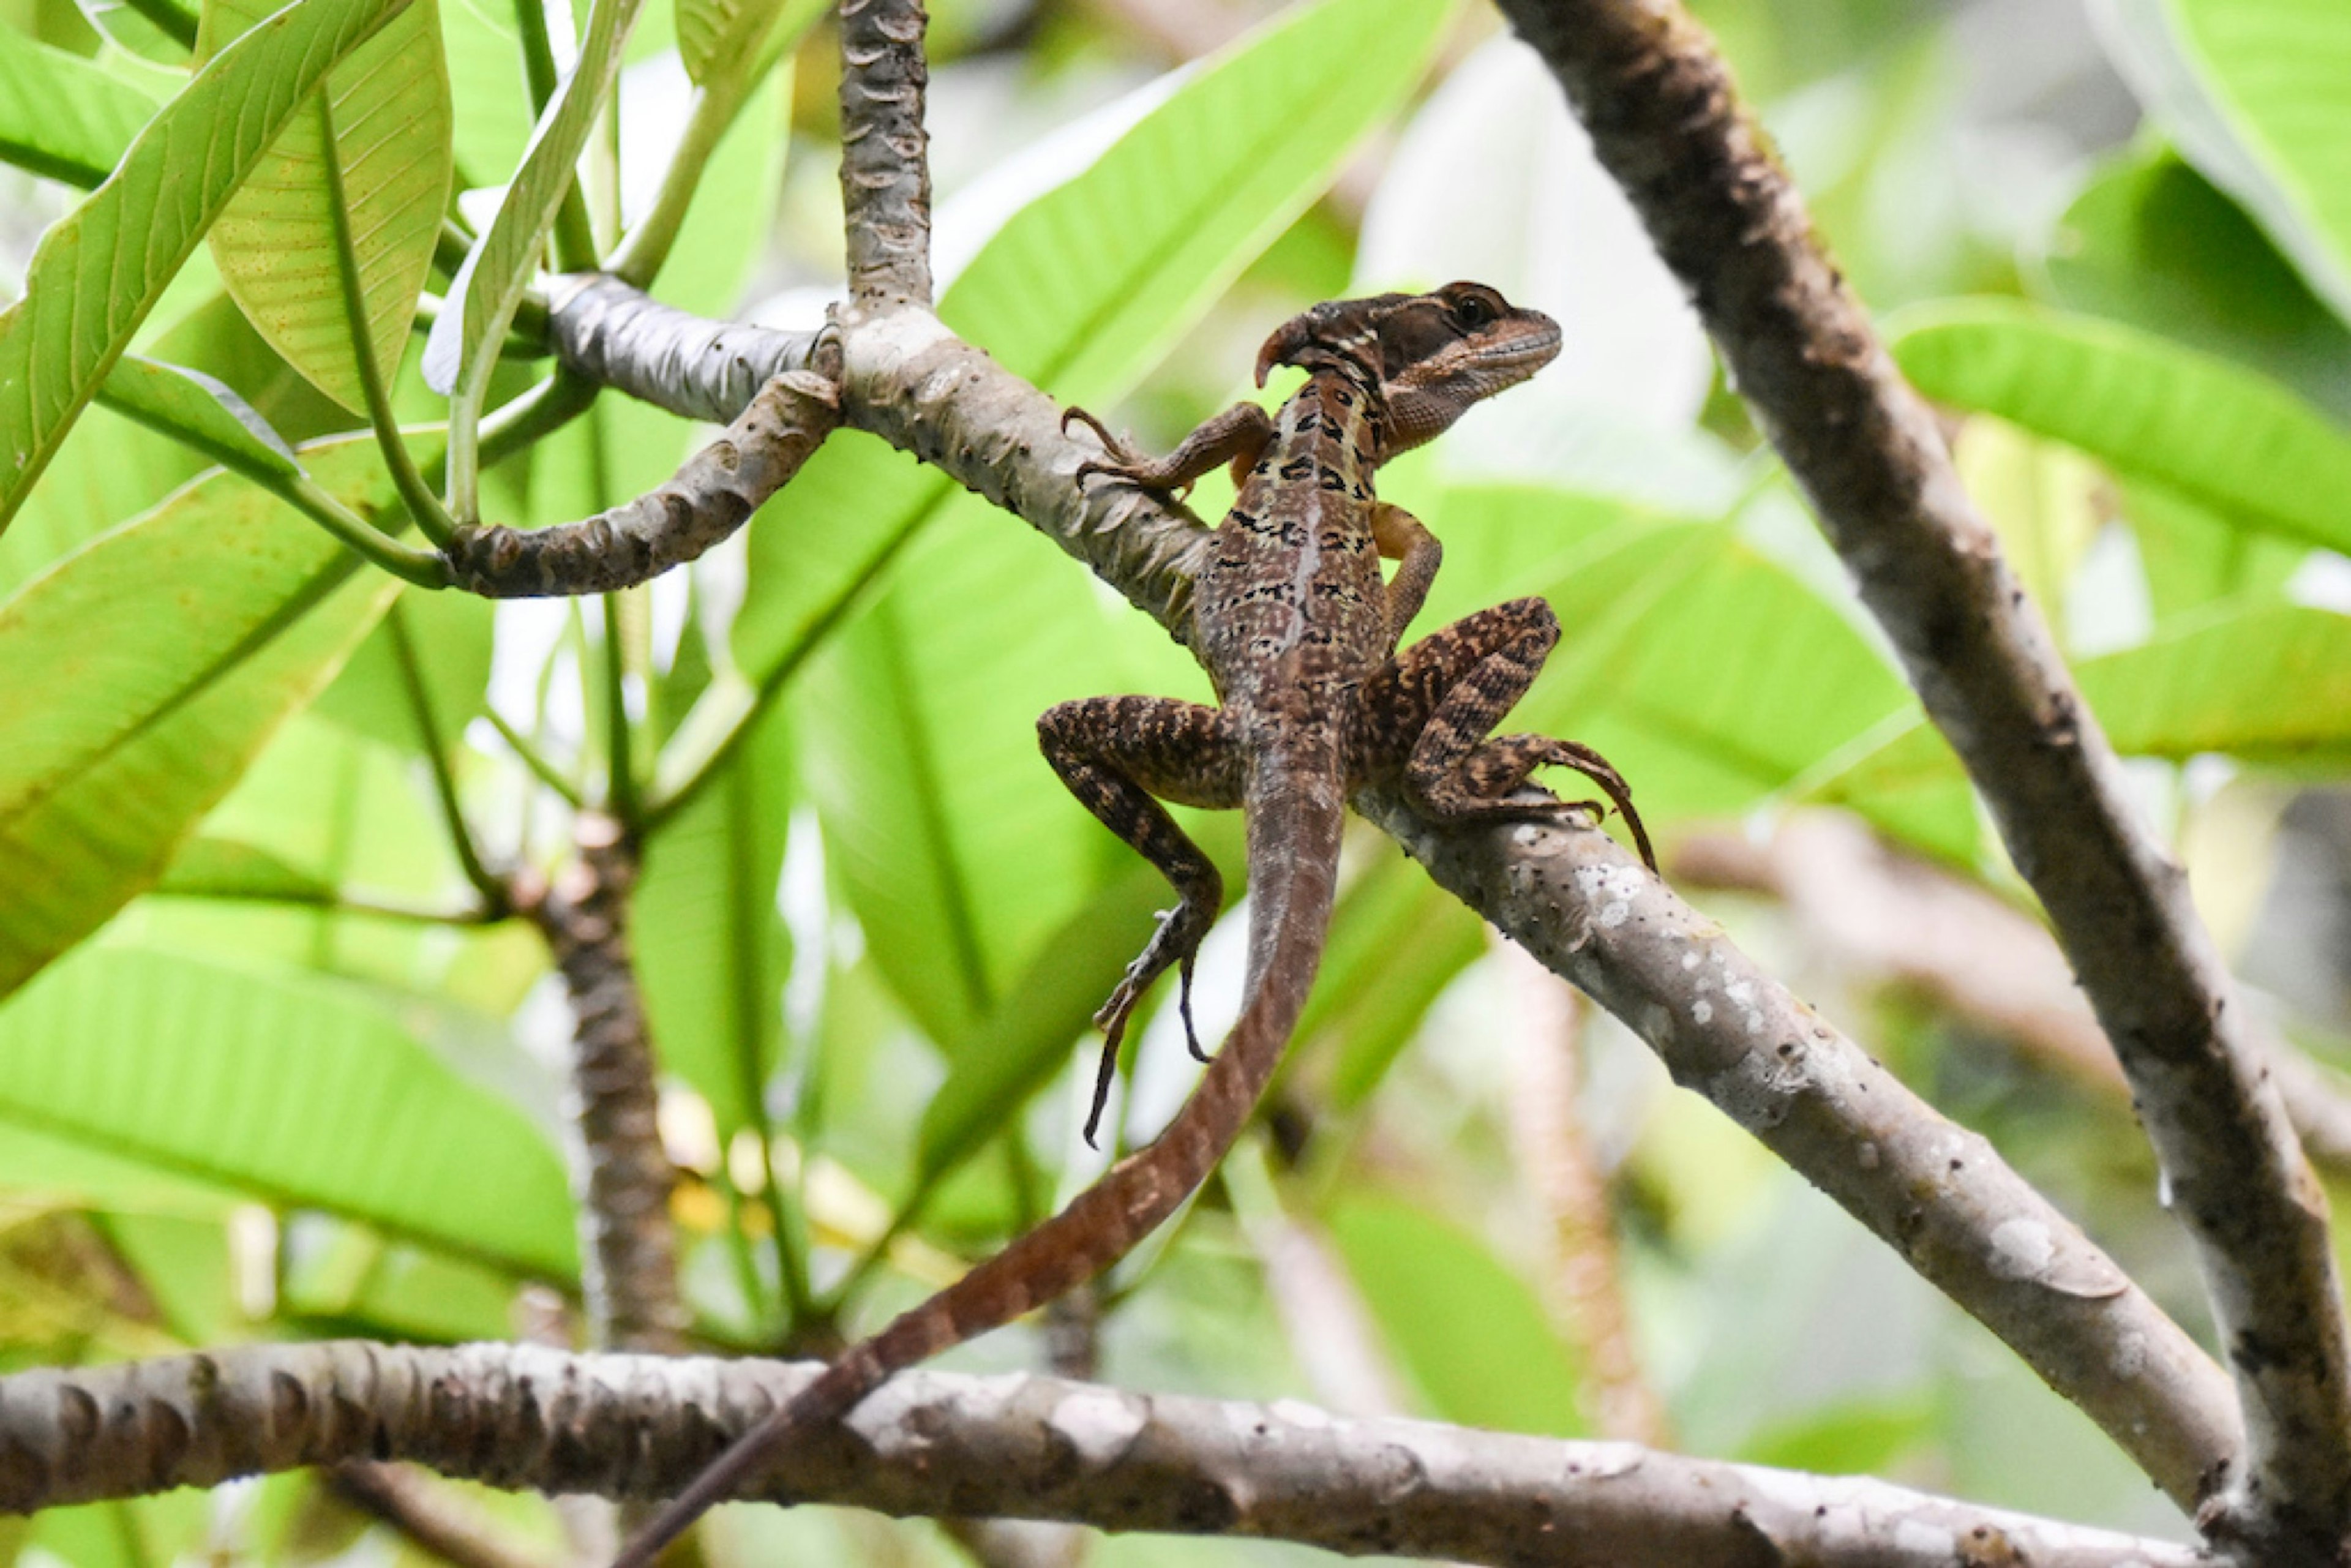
{"x":1300,"y":636}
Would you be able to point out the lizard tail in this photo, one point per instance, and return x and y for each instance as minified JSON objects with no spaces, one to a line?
{"x":1296,"y":811}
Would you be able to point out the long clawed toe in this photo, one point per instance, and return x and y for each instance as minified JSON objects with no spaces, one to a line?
{"x":1125,"y":464}
{"x":1114,"y":1016}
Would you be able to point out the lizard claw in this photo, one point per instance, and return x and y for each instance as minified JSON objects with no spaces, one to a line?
{"x":1183,"y":1006}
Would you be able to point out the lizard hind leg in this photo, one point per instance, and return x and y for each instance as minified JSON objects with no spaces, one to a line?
{"x":1121,"y":757}
{"x":1431,"y":711}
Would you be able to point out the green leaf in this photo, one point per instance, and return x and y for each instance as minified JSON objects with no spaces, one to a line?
{"x":712,"y":950}
{"x":2146,"y":408}
{"x":461,"y":351}
{"x":60,"y":115}
{"x":1904,"y":779}
{"x":453,"y":634}
{"x":109,"y":471}
{"x":2041,"y":499}
{"x":347,"y":816}
{"x":128,"y":737}
{"x":711,"y":32}
{"x":101,"y":270}
{"x":2265,"y":683}
{"x":2258,"y":93}
{"x":296,"y":1093}
{"x":198,"y":411}
{"x":274,"y":243}
{"x":1851,"y":1437}
{"x":1469,"y":1330}
{"x":2191,"y":557}
{"x":2270,"y":683}
{"x":942,"y":822}
{"x":490,"y":102}
{"x":1099,"y":276}
{"x":2151,"y":244}
{"x":1708,"y":674}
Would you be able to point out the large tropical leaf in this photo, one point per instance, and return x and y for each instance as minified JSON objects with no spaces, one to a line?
{"x":2146,"y":407}
{"x":461,"y":349}
{"x":274,"y":243}
{"x":294,"y":1093}
{"x":2260,"y":681}
{"x":60,"y":115}
{"x":712,"y":950}
{"x":2150,"y":243}
{"x":99,"y":270}
{"x":1424,"y":1280}
{"x":2258,"y":94}
{"x":2264,"y":683}
{"x":221,"y":613}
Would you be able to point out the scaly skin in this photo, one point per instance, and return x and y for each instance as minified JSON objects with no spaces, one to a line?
{"x":1299,"y":633}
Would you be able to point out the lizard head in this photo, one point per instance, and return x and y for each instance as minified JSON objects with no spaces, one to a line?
{"x":1427,"y":356}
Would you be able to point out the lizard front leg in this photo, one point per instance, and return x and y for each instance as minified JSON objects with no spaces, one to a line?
{"x":1427,"y":715}
{"x":1238,"y":436}
{"x":1115,"y":754}
{"x":1402,"y":538}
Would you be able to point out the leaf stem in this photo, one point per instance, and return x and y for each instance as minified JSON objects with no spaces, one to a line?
{"x":420,"y":568}
{"x":742,"y":64}
{"x":536,"y":761}
{"x":621,"y":786}
{"x":444,"y":781}
{"x":423,"y":505}
{"x":338,"y":902}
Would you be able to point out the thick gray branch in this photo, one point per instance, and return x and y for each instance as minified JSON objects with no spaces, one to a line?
{"x":639,"y":1427}
{"x":1665,"y":121}
{"x":616,"y":335}
{"x":712,"y":495}
{"x":1932,"y":1190}
{"x":886,"y":172}
{"x":1888,"y":917}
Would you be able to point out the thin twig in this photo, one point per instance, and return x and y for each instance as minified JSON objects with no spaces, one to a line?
{"x":417,"y":1508}
{"x":492,"y":889}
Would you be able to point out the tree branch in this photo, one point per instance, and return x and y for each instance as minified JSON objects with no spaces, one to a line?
{"x":1665,"y":121}
{"x":1892,"y":918}
{"x":633,"y":1427}
{"x":885,"y":169}
{"x":712,"y":495}
{"x":1935,"y":1192}
{"x":629,"y":1259}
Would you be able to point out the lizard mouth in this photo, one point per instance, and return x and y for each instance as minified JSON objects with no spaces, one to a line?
{"x":1517,"y":358}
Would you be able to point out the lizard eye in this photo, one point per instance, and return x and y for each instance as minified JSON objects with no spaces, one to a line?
{"x":1473,"y":312}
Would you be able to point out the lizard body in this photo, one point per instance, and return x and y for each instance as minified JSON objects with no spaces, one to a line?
{"x":1299,"y":633}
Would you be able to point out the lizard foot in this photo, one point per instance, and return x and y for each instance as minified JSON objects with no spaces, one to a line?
{"x":1126,"y":463}
{"x":1177,"y":942}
